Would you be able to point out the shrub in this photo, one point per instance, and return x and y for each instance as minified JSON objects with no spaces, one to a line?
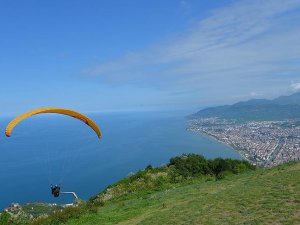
{"x":4,"y":218}
{"x":190,"y":165}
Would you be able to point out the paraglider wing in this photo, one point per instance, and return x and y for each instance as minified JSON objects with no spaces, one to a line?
{"x":67,"y":112}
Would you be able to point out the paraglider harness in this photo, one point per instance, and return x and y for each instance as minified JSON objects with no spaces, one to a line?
{"x":55,"y":190}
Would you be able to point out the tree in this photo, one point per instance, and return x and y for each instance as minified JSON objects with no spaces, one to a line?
{"x":4,"y":218}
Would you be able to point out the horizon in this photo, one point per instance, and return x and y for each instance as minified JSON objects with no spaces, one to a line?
{"x":140,"y":110}
{"x":141,"y":56}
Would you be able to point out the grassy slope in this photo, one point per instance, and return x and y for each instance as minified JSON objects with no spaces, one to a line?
{"x":37,"y":209}
{"x":259,"y":197}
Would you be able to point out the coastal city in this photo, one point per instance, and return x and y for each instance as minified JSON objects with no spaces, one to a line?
{"x":264,"y":143}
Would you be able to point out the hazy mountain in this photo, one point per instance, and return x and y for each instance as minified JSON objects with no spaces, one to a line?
{"x":293,"y":99}
{"x":284,"y":107}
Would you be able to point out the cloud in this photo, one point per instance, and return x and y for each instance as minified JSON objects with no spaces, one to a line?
{"x":295,"y":86}
{"x":245,"y":44}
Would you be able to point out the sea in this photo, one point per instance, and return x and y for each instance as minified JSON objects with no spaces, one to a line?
{"x":50,"y":149}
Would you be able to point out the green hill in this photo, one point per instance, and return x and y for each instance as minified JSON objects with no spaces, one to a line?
{"x":179,"y":194}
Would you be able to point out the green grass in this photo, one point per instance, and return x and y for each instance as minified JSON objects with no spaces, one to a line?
{"x":189,"y":190}
{"x":37,"y":209}
{"x":258,"y":197}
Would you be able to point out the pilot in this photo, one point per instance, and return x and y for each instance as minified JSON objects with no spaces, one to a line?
{"x":55,"y":190}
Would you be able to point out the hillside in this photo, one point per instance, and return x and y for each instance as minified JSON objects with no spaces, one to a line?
{"x":261,"y":197}
{"x":270,"y":196}
{"x":284,"y":107}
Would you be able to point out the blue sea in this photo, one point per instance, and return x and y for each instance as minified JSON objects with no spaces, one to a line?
{"x":54,"y":149}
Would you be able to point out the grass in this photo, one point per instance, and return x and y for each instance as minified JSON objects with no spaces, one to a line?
{"x":189,"y":190}
{"x":37,"y":209}
{"x":269,"y":196}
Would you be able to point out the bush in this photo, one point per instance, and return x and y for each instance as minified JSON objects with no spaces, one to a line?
{"x":5,"y":218}
{"x":192,"y":165}
{"x":222,"y":175}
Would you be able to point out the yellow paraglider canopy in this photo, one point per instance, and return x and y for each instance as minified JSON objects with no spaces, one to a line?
{"x":67,"y":112}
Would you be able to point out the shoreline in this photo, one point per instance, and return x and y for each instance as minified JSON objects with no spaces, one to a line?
{"x":224,"y":143}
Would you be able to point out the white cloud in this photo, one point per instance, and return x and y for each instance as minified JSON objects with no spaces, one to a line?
{"x":295,"y":86}
{"x":250,"y":42}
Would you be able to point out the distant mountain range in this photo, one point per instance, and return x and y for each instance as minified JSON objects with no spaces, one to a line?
{"x":283,"y":107}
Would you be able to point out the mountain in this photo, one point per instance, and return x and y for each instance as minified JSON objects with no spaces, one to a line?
{"x":284,"y":107}
{"x":293,"y":99}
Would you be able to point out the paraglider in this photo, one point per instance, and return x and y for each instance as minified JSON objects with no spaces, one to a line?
{"x":67,"y":112}
{"x":56,"y":189}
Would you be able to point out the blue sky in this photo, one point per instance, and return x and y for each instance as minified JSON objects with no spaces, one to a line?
{"x":138,"y":55}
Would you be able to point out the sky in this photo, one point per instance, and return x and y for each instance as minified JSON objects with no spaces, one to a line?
{"x":120,"y":55}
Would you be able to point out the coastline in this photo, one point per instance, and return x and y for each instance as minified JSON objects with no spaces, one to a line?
{"x":224,"y":143}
